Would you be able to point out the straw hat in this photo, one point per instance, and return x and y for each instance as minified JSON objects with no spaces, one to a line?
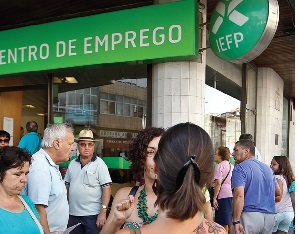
{"x":86,"y":135}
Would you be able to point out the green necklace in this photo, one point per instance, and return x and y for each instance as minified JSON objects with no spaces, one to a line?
{"x":142,"y":207}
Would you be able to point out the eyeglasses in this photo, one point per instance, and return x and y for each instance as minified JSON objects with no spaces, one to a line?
{"x":83,"y":144}
{"x":4,"y":141}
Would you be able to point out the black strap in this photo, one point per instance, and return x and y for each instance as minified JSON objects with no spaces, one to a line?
{"x":226,"y":175}
{"x":133,"y":190}
{"x":224,"y":178}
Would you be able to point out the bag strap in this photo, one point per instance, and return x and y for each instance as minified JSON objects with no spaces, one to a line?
{"x":31,"y":214}
{"x":133,"y":190}
{"x":226,"y":175}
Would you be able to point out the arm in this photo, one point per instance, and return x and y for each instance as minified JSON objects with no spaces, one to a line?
{"x":293,"y":199}
{"x":43,"y":218}
{"x":117,"y":217}
{"x":278,"y":191}
{"x":216,"y":192}
{"x":102,"y":216}
{"x":238,"y":204}
{"x":208,"y":211}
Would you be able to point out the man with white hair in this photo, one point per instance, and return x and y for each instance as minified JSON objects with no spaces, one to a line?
{"x":45,"y":185}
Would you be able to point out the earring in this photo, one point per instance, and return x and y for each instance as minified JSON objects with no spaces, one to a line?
{"x":154,"y":185}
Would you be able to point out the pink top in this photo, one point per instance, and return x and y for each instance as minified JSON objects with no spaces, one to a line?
{"x":221,"y":170}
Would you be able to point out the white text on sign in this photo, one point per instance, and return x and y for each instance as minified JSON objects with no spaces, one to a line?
{"x":224,"y":43}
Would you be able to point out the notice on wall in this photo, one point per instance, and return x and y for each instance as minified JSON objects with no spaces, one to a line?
{"x":8,"y":127}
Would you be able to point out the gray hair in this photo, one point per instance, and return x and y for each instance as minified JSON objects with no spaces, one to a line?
{"x":247,"y":144}
{"x":55,"y":132}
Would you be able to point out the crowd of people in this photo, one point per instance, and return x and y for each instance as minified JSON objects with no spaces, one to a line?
{"x":176,"y":166}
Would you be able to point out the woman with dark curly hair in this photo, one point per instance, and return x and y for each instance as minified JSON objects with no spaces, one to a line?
{"x":184,"y":165}
{"x":141,"y":154}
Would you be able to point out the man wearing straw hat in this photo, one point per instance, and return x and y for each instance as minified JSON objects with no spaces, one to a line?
{"x":88,"y":182}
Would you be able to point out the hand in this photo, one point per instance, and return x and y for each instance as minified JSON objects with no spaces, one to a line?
{"x":101,"y":219}
{"x":239,"y":229}
{"x":215,"y":204}
{"x":123,"y":210}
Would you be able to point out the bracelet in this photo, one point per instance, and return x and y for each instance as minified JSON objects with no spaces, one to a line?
{"x":236,"y":222}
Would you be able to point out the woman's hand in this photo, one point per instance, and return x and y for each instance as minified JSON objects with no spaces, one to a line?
{"x":215,"y":204}
{"x":123,"y":210}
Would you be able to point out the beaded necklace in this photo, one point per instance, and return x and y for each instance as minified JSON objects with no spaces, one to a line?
{"x":142,"y":208}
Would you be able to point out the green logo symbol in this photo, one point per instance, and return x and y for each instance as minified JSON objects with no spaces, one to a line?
{"x":233,"y":15}
{"x":237,"y":26}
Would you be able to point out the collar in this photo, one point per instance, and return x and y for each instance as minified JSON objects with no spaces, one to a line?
{"x":48,"y":158}
{"x":78,"y":159}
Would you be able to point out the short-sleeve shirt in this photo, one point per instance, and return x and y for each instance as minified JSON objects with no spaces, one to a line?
{"x":259,"y":185}
{"x":85,"y":186}
{"x":292,"y":187}
{"x":285,"y":204}
{"x":46,"y":187}
{"x":31,"y":142}
{"x":221,"y":171}
{"x":19,"y":222}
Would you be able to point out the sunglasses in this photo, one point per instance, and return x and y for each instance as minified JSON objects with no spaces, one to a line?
{"x":4,"y":141}
{"x":89,"y":144}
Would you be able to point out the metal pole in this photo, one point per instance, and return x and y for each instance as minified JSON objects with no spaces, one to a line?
{"x":243,"y":99}
{"x":50,"y":98}
{"x":149,"y":96}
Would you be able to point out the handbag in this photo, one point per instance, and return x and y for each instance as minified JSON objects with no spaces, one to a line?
{"x":211,"y":190}
{"x":31,"y":214}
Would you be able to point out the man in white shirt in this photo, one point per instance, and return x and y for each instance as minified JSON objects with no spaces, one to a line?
{"x":89,"y":191}
{"x":45,"y":185}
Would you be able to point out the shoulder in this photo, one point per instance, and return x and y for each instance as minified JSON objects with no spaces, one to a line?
{"x":210,"y":227}
{"x":27,"y":199}
{"x":73,"y":162}
{"x":122,"y":193}
{"x":99,"y":162}
{"x":292,"y":187}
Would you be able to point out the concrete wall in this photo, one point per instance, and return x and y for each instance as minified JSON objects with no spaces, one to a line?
{"x":292,"y":135}
{"x":269,"y":114}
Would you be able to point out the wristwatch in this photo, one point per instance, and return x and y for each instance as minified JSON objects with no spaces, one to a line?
{"x":104,"y":207}
{"x":236,"y":222}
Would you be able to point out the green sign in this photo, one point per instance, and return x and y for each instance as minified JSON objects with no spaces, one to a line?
{"x":156,"y":33}
{"x":240,"y":30}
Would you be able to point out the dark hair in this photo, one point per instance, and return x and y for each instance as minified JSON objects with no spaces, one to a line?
{"x":138,"y":149}
{"x":246,"y":136}
{"x":247,"y":144}
{"x":175,"y":149}
{"x":31,"y":126}
{"x":224,"y":153}
{"x":12,"y":157}
{"x":285,"y":169}
{"x":4,"y":134}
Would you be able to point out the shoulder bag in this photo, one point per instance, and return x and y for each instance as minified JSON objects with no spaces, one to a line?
{"x":211,"y":190}
{"x":31,"y":214}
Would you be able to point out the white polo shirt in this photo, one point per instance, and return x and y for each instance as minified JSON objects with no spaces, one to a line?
{"x":46,"y":187}
{"x":85,"y":186}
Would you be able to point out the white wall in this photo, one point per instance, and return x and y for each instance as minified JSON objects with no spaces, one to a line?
{"x":269,"y":113}
{"x":230,"y":70}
